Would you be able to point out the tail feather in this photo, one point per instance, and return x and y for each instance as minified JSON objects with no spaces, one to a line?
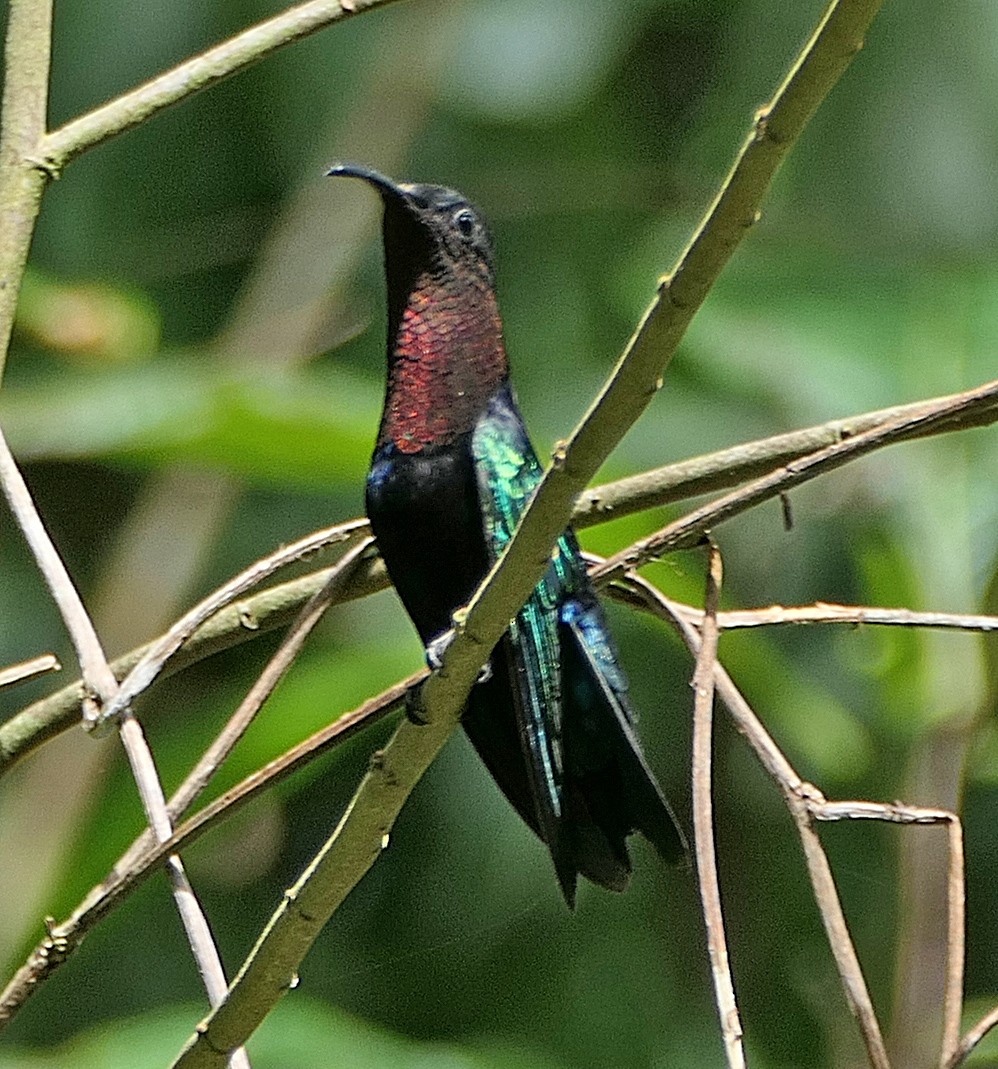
{"x":601,"y":747}
{"x":607,"y":791}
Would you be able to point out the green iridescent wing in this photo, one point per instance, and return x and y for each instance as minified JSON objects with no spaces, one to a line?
{"x":508,"y":473}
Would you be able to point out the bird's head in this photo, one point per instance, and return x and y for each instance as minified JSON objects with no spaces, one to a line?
{"x":428,"y":228}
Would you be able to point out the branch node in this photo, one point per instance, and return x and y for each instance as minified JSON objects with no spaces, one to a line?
{"x":46,"y":164}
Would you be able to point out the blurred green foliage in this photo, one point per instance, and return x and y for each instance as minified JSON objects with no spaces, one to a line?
{"x":169,"y":271}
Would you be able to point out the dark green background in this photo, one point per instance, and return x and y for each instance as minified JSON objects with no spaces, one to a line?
{"x":592,"y":135}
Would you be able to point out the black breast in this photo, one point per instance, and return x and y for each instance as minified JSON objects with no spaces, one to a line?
{"x":425,"y":513}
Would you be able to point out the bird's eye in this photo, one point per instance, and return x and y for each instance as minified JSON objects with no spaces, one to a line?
{"x":464,"y":220}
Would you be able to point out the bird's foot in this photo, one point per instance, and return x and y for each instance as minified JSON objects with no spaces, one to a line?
{"x":436,"y":648}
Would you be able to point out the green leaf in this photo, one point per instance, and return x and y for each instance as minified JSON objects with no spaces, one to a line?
{"x":279,"y":428}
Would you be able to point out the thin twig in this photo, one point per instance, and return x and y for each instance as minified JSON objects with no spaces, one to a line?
{"x":703,"y":819}
{"x":101,"y":686}
{"x":96,"y":674}
{"x":195,"y":74}
{"x":825,"y":612}
{"x":688,"y":531}
{"x":807,"y":804}
{"x":725,"y":468}
{"x":282,"y":658}
{"x":798,"y":794}
{"x":25,"y":670}
{"x":837,"y":930}
{"x":270,"y":609}
{"x":897,"y":813}
{"x":956,"y":894}
{"x":276,"y":607}
{"x":974,"y":1036}
{"x":152,"y":661}
{"x":145,"y":855}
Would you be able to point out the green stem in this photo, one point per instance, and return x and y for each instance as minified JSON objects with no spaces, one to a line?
{"x":195,"y":74}
{"x":27,"y":55}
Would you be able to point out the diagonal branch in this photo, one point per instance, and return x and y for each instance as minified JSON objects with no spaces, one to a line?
{"x":100,"y":686}
{"x":807,"y":805}
{"x":798,"y":796}
{"x":689,"y":531}
{"x":291,"y":645}
{"x":276,"y":607}
{"x":190,"y":77}
{"x":725,"y":468}
{"x":145,"y":855}
{"x":148,"y":667}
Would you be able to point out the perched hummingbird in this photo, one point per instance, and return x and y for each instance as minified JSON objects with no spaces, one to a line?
{"x":453,"y":470}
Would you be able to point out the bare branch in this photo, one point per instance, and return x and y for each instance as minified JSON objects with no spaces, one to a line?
{"x":824,"y":612}
{"x":27,"y":56}
{"x":193,"y":75}
{"x":972,"y":1038}
{"x":833,"y":917}
{"x":689,"y":530}
{"x":797,"y":793}
{"x":97,"y":676}
{"x":101,"y":685}
{"x":728,"y":467}
{"x":806,"y":804}
{"x":270,"y":609}
{"x":273,"y":672}
{"x":145,"y":855}
{"x":703,"y":819}
{"x":155,"y":656}
{"x":25,"y":670}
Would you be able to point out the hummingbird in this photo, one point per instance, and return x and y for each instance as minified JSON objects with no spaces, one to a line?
{"x":452,"y":472}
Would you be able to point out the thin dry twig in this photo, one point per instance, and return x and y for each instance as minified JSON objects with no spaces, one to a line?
{"x":971,"y":1039}
{"x":836,"y":928}
{"x":101,"y":686}
{"x":725,"y":468}
{"x":703,"y":819}
{"x":688,"y":531}
{"x":825,"y":612}
{"x":145,"y":855}
{"x":795,"y":791}
{"x":807,"y":804}
{"x":93,"y":665}
{"x":281,"y":660}
{"x":25,"y":670}
{"x":155,"y":656}
{"x":897,"y":813}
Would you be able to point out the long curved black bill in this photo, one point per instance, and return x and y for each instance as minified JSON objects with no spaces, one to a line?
{"x":357,"y":170}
